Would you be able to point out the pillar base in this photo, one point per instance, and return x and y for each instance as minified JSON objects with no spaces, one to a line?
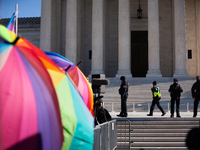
{"x":124,"y":72}
{"x":97,"y":72}
{"x":153,"y":73}
{"x":181,"y":73}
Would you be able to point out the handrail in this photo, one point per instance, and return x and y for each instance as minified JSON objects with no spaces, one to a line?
{"x":186,"y":107}
{"x":129,"y":132}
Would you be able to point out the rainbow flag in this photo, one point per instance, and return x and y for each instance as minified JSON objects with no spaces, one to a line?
{"x":11,"y":24}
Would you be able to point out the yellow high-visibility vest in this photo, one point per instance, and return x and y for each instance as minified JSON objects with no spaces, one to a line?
{"x":157,"y":93}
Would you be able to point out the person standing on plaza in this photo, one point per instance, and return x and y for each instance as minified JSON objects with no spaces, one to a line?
{"x":156,"y":98}
{"x":196,"y":95}
{"x":101,"y":114}
{"x":175,"y":93}
{"x":123,"y":91}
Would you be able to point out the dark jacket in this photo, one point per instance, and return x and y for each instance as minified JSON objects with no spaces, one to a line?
{"x":196,"y":90}
{"x":123,"y":88}
{"x":175,"y":90}
{"x":102,"y":116}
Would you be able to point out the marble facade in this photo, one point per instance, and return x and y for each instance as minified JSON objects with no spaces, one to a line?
{"x":99,"y":33}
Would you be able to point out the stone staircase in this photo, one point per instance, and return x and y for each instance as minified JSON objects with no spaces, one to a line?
{"x":151,"y":133}
{"x":141,"y":88}
{"x":155,"y":133}
{"x":140,"y":93}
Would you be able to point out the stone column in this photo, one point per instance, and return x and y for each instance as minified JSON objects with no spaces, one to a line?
{"x":180,"y":43}
{"x":71,"y":31}
{"x":153,"y":38}
{"x":124,"y":53}
{"x":97,"y":36}
{"x":45,"y":26}
{"x":198,"y":34}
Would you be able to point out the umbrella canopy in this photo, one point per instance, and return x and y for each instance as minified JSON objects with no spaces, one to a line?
{"x":78,"y":123}
{"x":29,"y":108}
{"x":77,"y":77}
{"x":80,"y":135}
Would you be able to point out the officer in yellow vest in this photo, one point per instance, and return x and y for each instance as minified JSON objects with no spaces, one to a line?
{"x":156,"y":98}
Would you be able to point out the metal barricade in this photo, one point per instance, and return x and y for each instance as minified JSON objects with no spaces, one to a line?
{"x":124,"y":134}
{"x":105,"y":136}
{"x":97,"y":140}
{"x":113,"y":134}
{"x":145,"y":107}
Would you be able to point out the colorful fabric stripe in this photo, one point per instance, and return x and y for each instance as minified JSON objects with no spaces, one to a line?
{"x":39,"y":102}
{"x":11,"y":24}
{"x":77,"y":77}
{"x":29,"y":109}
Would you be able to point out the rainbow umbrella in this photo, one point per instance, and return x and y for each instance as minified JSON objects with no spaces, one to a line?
{"x":29,"y":109}
{"x":74,"y":112}
{"x":78,"y":123}
{"x":78,"y":78}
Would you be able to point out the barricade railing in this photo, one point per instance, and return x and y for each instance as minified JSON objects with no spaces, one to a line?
{"x":113,"y":134}
{"x":144,"y":107}
{"x":97,"y":139}
{"x":105,"y":136}
{"x":124,"y":134}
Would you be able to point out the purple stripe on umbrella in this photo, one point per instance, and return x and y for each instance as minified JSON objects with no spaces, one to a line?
{"x":61,"y":62}
{"x":44,"y":102}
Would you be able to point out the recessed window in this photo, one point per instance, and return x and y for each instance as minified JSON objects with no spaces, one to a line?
{"x":189,"y":54}
{"x":90,"y":54}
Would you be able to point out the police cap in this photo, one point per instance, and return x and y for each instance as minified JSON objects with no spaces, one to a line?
{"x":122,"y":78}
{"x":154,"y":83}
{"x":175,"y":80}
{"x":198,"y":78}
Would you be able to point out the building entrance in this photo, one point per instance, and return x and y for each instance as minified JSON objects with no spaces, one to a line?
{"x":139,"y":53}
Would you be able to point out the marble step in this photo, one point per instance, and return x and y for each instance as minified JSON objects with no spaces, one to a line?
{"x":152,"y":139}
{"x":153,"y":144}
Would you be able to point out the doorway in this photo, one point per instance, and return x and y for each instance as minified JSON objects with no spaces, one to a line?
{"x":139,"y":53}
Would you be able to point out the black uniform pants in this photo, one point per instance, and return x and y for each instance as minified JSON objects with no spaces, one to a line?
{"x":196,"y":103}
{"x":173,"y":100}
{"x":123,"y":105}
{"x":154,"y":102}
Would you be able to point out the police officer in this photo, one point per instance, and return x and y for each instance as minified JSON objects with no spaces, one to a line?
{"x":123,"y":91}
{"x":196,"y":95}
{"x":156,"y":98}
{"x":175,"y":93}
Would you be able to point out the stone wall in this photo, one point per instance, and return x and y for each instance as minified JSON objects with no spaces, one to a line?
{"x":138,"y":24}
{"x":166,"y":33}
{"x":31,"y":34}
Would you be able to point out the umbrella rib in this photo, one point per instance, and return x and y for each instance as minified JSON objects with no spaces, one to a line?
{"x":67,"y":131}
{"x":79,"y":62}
{"x":68,"y":68}
{"x":14,"y":42}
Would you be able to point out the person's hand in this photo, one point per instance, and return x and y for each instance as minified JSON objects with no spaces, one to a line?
{"x":194,"y":98}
